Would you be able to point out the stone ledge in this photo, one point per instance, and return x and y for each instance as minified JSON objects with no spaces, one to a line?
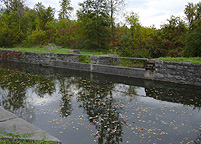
{"x":8,"y":120}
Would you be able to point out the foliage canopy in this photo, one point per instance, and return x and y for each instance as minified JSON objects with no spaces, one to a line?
{"x":96,"y":29}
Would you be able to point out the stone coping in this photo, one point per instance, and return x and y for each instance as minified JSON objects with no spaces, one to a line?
{"x":8,"y":120}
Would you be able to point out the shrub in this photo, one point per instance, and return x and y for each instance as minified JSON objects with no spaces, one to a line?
{"x":38,"y":37}
{"x":193,"y":40}
{"x":84,"y":59}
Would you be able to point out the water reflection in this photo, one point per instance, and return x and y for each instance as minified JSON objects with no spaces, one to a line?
{"x":13,"y":94}
{"x":121,"y":110}
{"x":102,"y":110}
{"x":66,"y":89}
{"x":182,"y":95}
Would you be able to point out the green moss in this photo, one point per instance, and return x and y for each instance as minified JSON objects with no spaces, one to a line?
{"x":53,"y":58}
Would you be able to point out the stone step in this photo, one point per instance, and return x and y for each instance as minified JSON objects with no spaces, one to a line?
{"x":8,"y":120}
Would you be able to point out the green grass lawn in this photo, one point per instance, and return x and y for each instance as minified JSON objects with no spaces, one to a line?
{"x":40,"y":50}
{"x":182,"y":59}
{"x":57,"y":50}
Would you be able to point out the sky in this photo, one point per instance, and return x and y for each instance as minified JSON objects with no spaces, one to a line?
{"x":151,"y":12}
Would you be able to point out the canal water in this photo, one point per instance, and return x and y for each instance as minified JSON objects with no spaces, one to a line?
{"x":87,"y":108}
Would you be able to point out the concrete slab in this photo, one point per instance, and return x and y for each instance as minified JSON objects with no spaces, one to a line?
{"x":5,"y":115}
{"x":8,"y":120}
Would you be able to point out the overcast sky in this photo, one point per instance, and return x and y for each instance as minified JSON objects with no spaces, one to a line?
{"x":151,"y":12}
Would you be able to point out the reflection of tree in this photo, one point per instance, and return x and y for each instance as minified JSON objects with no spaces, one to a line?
{"x":13,"y":103}
{"x":126,"y":90}
{"x":44,"y":86}
{"x":65,"y":90}
{"x":13,"y":100}
{"x":13,"y":90}
{"x":103,"y":112}
{"x":180,"y":94}
{"x":13,"y":86}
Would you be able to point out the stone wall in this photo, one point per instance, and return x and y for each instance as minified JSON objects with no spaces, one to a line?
{"x":104,"y":60}
{"x":121,"y":71}
{"x":46,"y":58}
{"x":185,"y":73}
{"x":26,"y":57}
{"x":67,"y":57}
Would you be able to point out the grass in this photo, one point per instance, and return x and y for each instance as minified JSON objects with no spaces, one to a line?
{"x":84,"y":59}
{"x":93,"y":52}
{"x":182,"y":59}
{"x":40,"y":50}
{"x":131,"y":63}
{"x":57,"y":50}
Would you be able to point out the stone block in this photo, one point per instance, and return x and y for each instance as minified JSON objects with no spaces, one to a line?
{"x":93,"y":59}
{"x":180,"y":67}
{"x":159,"y":76}
{"x":66,"y":57}
{"x":169,"y":77}
{"x":5,"y":115}
{"x":198,"y":80}
{"x":24,"y":127}
{"x":191,"y":70}
{"x":104,"y":60}
{"x":171,"y":67}
{"x":179,"y":78}
{"x":172,"y":72}
{"x":180,"y":72}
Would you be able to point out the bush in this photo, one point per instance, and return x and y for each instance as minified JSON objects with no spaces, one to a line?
{"x":193,"y":40}
{"x":128,"y":48}
{"x":38,"y":37}
{"x":155,"y":52}
{"x":84,"y":59}
{"x":133,"y":52}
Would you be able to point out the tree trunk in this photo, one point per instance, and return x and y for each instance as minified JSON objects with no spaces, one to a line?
{"x":19,"y":22}
{"x":112,"y":21}
{"x":113,"y":38}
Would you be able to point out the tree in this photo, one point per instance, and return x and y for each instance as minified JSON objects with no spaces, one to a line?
{"x":114,"y":6}
{"x":170,"y":39}
{"x":193,"y":37}
{"x":15,"y":6}
{"x":193,"y":40}
{"x":193,"y":12}
{"x":9,"y":30}
{"x":20,"y":6}
{"x":43,"y":15}
{"x":134,"y":23}
{"x":1,"y":8}
{"x":65,"y":37}
{"x":134,"y":40}
{"x":65,"y":10}
{"x":29,"y":20}
{"x":94,"y":19}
